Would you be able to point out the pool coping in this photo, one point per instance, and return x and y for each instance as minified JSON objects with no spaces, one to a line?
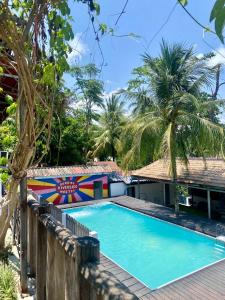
{"x":119,"y":201}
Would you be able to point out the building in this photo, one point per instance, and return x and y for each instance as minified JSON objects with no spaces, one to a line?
{"x":61,"y":185}
{"x":205,"y":180}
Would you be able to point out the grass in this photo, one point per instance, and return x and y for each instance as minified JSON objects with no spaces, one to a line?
{"x":7,"y":283}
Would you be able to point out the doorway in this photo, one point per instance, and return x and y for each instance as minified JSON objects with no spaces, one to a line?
{"x":131,"y":191}
{"x":98,"y":190}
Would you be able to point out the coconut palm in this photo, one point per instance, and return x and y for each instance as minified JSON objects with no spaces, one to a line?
{"x":109,"y":128}
{"x":173,"y":123}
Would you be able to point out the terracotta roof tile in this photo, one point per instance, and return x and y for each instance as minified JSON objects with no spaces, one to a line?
{"x":210,"y":172}
{"x":99,"y":168}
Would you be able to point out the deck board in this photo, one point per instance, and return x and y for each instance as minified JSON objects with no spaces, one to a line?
{"x":205,"y":284}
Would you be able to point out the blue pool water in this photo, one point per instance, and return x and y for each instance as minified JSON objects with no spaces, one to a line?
{"x":153,"y":251}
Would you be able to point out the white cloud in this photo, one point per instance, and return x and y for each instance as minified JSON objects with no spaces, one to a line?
{"x":200,"y":55}
{"x":109,"y":94}
{"x":219,"y":57}
{"x":79,"y":49}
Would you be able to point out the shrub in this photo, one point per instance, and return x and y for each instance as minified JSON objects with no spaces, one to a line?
{"x":4,"y":175}
{"x":4,"y":254}
{"x":3,"y":161}
{"x":7,"y":283}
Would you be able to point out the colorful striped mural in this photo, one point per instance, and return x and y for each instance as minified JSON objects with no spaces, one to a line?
{"x":68,"y":189}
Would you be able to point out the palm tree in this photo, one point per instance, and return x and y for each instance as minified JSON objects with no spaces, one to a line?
{"x":173,"y":124}
{"x":109,"y":129}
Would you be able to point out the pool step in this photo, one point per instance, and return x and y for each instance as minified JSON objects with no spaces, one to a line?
{"x":219,"y":249}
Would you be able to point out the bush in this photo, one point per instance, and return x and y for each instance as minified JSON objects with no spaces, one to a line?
{"x":3,"y":161}
{"x":4,"y":254}
{"x":7,"y":283}
{"x":4,"y":175}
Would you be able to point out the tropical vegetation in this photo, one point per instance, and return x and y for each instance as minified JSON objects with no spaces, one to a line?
{"x":170,"y":111}
{"x":7,"y":283}
{"x":173,"y":125}
{"x":109,"y":129}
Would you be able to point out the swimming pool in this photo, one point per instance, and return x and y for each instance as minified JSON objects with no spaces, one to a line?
{"x":154,"y":251}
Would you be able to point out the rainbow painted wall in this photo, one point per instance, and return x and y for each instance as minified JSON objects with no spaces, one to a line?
{"x":68,"y":189}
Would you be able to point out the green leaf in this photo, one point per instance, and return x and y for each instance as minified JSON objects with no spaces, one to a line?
{"x":64,"y":8}
{"x":9,"y":99}
{"x":219,"y":4}
{"x":102,"y":28}
{"x":97,"y":8}
{"x":183,"y":2}
{"x":49,"y":74}
{"x":218,"y":14}
{"x":219,"y":24}
{"x":1,"y":70}
{"x":11,"y":109}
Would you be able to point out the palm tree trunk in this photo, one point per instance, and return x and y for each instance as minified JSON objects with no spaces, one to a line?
{"x":173,"y":167}
{"x":113,"y":152}
{"x":176,"y":199}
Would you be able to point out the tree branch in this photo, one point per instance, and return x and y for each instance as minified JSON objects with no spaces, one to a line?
{"x":122,"y":12}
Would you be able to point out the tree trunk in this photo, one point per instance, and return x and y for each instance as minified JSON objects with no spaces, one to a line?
{"x":20,"y":163}
{"x":113,"y":152}
{"x":7,"y":210}
{"x":176,"y":199}
{"x":173,"y":165}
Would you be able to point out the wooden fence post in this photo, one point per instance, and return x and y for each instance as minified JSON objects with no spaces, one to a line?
{"x":71,"y":288}
{"x":50,"y":284}
{"x":87,"y":252}
{"x":59,"y":274}
{"x":32,"y":229}
{"x":41,"y":257}
{"x":23,"y":235}
{"x":14,"y":226}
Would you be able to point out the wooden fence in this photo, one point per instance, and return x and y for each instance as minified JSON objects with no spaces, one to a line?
{"x":15,"y":226}
{"x":67,"y":267}
{"x":73,"y":225}
{"x":56,"y":212}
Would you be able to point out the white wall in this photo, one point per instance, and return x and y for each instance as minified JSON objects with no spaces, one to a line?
{"x":117,"y":189}
{"x":153,"y":192}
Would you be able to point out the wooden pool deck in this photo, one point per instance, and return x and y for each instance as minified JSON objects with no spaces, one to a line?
{"x":208,"y":283}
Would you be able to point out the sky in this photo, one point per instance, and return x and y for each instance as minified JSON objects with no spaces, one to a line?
{"x":151,"y":20}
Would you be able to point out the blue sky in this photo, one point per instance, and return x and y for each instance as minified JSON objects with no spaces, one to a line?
{"x":144,"y":18}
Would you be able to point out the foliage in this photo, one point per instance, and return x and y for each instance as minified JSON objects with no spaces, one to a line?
{"x":217,"y":15}
{"x":3,"y":161}
{"x":70,"y":132}
{"x":8,"y":135}
{"x":172,"y":125}
{"x":89,"y":90}
{"x":34,"y":35}
{"x":7,"y":283}
{"x":4,"y":254}
{"x":183,"y":190}
{"x":109,"y":129}
{"x":4,"y":175}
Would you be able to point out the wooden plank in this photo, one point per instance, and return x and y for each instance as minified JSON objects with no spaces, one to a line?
{"x":23,"y":225}
{"x":71,"y":288}
{"x":59,"y":272}
{"x":50,"y":279}
{"x":41,"y":262}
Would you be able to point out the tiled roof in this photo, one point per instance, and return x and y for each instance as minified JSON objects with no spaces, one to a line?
{"x":104,"y":168}
{"x":210,"y":172}
{"x":110,"y":164}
